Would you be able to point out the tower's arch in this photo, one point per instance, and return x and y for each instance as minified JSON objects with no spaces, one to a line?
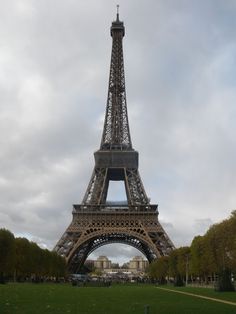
{"x":100,"y":238}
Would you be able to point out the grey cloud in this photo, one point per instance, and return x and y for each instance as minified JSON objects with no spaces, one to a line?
{"x":117,"y":253}
{"x":201,"y":225}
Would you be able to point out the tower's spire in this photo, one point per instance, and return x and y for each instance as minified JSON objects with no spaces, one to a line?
{"x":116,"y":133}
{"x":117,"y":12}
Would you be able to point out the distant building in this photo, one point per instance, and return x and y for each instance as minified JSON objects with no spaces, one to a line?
{"x":134,"y":268}
{"x":102,"y":263}
{"x":138,"y":264}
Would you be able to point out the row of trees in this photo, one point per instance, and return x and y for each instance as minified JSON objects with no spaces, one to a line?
{"x":21,"y":259}
{"x":211,"y":257}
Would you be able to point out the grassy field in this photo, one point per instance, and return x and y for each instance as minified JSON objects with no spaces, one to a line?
{"x":118,"y":299}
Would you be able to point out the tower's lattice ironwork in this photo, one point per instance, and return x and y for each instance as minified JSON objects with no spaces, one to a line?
{"x":97,"y":222}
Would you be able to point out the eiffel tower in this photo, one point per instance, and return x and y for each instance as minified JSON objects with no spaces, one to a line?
{"x":97,"y":222}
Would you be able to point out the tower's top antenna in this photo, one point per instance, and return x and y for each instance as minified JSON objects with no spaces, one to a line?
{"x":117,"y":12}
{"x":117,"y":25}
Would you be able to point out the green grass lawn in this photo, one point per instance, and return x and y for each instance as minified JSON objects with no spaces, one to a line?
{"x":118,"y":299}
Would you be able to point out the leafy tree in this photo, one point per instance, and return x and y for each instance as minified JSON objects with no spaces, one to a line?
{"x":202,"y":262}
{"x":98,"y":272}
{"x":23,"y":266}
{"x":7,"y":255}
{"x":178,"y":264}
{"x":158,"y":269}
{"x":224,"y":281}
{"x":173,"y":259}
{"x":220,"y":239}
{"x":151,"y":270}
{"x":183,"y":259}
{"x":231,"y":249}
{"x":32,"y":261}
{"x":27,"y":259}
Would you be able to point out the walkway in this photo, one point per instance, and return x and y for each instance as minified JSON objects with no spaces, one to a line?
{"x":198,"y":296}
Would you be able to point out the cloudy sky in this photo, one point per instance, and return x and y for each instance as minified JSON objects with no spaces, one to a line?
{"x":180,"y":62}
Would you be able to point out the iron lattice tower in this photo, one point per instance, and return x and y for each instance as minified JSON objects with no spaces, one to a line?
{"x":95,"y":221}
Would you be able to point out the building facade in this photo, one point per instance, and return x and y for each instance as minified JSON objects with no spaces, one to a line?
{"x":102,"y":263}
{"x":138,"y":263}
{"x":135,"y":268}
